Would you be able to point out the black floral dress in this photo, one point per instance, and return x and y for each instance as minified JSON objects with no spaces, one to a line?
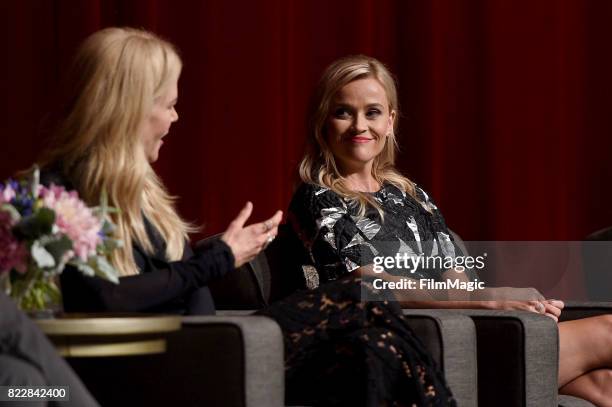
{"x":340,"y":350}
{"x":338,"y":240}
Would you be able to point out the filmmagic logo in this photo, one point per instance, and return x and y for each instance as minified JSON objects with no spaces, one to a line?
{"x":411,"y":262}
{"x":428,"y":284}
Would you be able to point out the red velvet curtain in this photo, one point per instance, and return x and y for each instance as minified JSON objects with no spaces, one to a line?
{"x":505,"y":103}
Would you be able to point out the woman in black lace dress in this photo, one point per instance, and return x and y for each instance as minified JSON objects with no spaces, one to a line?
{"x":353,"y":206}
{"x":339,"y":351}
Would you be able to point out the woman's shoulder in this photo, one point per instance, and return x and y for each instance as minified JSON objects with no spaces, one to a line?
{"x":310,"y":201}
{"x":308,"y":193}
{"x":424,"y":199}
{"x":416,"y":193}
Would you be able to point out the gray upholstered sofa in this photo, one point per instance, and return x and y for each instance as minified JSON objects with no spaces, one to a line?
{"x":490,"y":358}
{"x":517,"y":353}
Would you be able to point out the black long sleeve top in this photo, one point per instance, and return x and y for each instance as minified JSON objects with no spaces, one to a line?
{"x":161,"y":286}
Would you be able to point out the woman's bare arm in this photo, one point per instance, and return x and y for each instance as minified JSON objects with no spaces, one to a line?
{"x":492,"y":298}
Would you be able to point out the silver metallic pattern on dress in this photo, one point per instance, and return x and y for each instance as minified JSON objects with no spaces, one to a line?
{"x":434,"y":248}
{"x":405,"y":248}
{"x":329,"y":217}
{"x":395,"y":199}
{"x":367,"y":226}
{"x":428,"y":205}
{"x":414,"y":228}
{"x":367,"y":229}
{"x":356,"y":240}
{"x":372,"y":248}
{"x":446,"y":245}
{"x":350,"y":265}
{"x":312,"y":277}
{"x":330,"y":238}
{"x":321,"y":191}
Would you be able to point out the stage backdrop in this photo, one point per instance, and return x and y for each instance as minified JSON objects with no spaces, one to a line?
{"x":506,"y":104}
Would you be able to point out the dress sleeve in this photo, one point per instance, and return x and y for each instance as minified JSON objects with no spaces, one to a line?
{"x":437,"y":226}
{"x":438,"y":222}
{"x":446,"y":244}
{"x":323,"y":222}
{"x":163,"y":284}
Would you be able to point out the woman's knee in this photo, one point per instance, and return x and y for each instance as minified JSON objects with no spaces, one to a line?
{"x":601,"y":383}
{"x":604,"y":325}
{"x":600,"y":332}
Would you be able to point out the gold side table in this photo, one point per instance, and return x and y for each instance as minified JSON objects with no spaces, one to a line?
{"x":100,"y":335}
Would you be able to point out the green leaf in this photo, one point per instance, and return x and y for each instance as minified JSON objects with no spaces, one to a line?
{"x":15,"y":215}
{"x":83,"y":267}
{"x":45,"y":217}
{"x":99,"y":266}
{"x":105,"y":270}
{"x":109,"y":244}
{"x":41,"y":256}
{"x":108,"y":228}
{"x":102,"y":210}
{"x":58,"y":247}
{"x":38,"y":224}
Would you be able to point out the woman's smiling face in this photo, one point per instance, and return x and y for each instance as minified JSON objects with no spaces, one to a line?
{"x":359,"y":123}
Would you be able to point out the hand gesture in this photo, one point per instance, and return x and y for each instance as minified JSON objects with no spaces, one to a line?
{"x":247,"y":241}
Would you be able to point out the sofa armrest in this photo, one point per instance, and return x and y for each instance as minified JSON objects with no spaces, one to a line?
{"x":212,"y":360}
{"x":244,"y":359}
{"x":570,"y":401}
{"x":235,"y":313}
{"x":581,"y":309}
{"x":451,"y":340}
{"x":518,"y":358}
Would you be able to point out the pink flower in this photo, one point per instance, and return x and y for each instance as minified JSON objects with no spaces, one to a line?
{"x":74,"y":219}
{"x":14,"y":253}
{"x":6,"y":194}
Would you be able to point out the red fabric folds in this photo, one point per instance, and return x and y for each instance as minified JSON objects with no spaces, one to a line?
{"x":505,"y":103}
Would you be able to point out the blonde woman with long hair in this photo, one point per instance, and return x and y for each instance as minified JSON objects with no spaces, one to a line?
{"x":119,"y":105}
{"x":354,"y":206}
{"x":119,"y":109}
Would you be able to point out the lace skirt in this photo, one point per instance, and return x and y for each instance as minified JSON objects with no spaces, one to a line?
{"x":340,"y":351}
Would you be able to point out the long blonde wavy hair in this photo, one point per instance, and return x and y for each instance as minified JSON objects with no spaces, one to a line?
{"x":115,"y":78}
{"x":319,"y":164}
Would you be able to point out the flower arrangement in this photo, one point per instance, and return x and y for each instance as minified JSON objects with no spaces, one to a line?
{"x":43,"y":229}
